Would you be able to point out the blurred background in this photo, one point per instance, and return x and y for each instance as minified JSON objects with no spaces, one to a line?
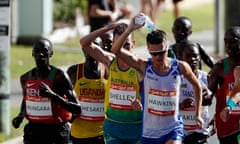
{"x":64,"y":22}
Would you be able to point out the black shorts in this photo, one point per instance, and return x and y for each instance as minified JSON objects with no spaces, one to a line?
{"x":230,"y":139}
{"x":35,"y":133}
{"x":196,"y":138}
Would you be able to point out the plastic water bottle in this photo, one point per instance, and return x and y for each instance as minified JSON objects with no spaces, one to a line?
{"x":149,"y":25}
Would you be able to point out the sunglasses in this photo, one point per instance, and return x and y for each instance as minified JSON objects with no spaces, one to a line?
{"x":155,"y":53}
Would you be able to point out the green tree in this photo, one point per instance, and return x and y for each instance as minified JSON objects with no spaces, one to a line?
{"x":65,"y":10}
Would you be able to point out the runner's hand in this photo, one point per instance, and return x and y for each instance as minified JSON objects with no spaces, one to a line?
{"x":199,"y":122}
{"x":46,"y":91}
{"x":187,"y":103}
{"x":17,"y":121}
{"x":136,"y":104}
{"x":224,"y":114}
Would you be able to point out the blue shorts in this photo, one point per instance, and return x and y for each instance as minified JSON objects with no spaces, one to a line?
{"x":176,"y":134}
{"x":118,"y":133}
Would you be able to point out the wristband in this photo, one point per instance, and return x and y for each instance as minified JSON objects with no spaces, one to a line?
{"x":231,"y":104}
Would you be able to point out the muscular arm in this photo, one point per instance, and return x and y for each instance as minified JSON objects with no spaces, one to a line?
{"x":94,"y":50}
{"x":63,"y":87}
{"x":138,"y":63}
{"x":189,"y":75}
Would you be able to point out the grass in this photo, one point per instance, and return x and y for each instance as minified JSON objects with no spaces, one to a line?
{"x":21,"y":60}
{"x":202,"y":19}
{"x":14,"y":132}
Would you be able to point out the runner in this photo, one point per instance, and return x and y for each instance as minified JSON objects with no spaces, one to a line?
{"x":160,"y":80}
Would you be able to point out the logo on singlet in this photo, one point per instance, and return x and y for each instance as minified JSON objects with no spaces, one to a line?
{"x":183,"y":85}
{"x":30,"y":84}
{"x":132,"y":73}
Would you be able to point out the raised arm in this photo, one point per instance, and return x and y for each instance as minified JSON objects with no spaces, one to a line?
{"x":125,"y":55}
{"x":189,"y":75}
{"x":94,"y":50}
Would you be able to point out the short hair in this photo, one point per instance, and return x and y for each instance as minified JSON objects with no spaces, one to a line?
{"x":183,"y":19}
{"x":43,"y":42}
{"x":185,"y":45}
{"x":233,"y":31}
{"x":157,"y":37}
{"x":120,"y":29}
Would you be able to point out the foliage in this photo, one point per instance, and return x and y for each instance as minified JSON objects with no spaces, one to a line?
{"x":65,"y":10}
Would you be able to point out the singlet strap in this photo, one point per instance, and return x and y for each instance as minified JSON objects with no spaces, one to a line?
{"x":80,"y":71}
{"x":149,"y":62}
{"x":52,"y":74}
{"x":103,"y":71}
{"x":226,"y":66}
